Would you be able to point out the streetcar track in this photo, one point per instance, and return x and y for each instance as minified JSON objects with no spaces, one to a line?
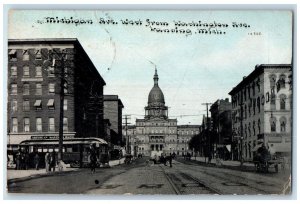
{"x":195,"y":183}
{"x":260,"y":191}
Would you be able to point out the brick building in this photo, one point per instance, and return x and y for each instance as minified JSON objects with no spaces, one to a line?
{"x":113,"y":111}
{"x":222,"y":126}
{"x":34,"y":71}
{"x":261,"y":111}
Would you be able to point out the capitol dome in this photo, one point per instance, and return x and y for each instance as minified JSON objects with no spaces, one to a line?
{"x":156,"y":96}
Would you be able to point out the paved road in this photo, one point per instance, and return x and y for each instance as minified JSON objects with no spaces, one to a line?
{"x":145,"y":178}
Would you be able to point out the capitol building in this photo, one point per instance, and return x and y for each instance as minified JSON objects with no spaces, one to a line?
{"x":156,"y":133}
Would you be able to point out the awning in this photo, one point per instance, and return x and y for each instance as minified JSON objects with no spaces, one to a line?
{"x":65,"y":141}
{"x":38,"y":103}
{"x":12,"y":52}
{"x":50,"y":102}
{"x":256,"y":147}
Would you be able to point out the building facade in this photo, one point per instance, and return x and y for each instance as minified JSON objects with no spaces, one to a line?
{"x":261,"y":111}
{"x":34,"y":90}
{"x":113,"y":111}
{"x":157,"y":134}
{"x":222,"y":127}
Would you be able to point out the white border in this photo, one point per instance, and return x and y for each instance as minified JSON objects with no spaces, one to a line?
{"x":153,"y":5}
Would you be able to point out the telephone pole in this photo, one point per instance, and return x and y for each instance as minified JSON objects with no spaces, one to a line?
{"x":207,"y":131}
{"x":241,"y":136}
{"x":126,"y":118}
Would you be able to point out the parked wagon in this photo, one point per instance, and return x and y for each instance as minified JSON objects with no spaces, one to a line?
{"x":264,"y":160}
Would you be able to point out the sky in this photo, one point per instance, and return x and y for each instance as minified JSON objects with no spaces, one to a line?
{"x":192,"y":68}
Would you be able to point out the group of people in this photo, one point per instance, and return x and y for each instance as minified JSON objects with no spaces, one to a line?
{"x":23,"y":160}
{"x":50,"y":161}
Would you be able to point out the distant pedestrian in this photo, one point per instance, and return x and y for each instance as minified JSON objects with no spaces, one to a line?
{"x":170,"y":159}
{"x":18,"y":160}
{"x":47,"y":162}
{"x":52,"y":161}
{"x":36,"y":161}
{"x":93,"y":159}
{"x":26,"y":160}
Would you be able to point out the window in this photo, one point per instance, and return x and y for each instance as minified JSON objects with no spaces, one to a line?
{"x":51,"y":71}
{"x":65,"y":127}
{"x":14,"y":105}
{"x":245,"y":130}
{"x":38,"y":55}
{"x":13,"y":71}
{"x":38,"y":90}
{"x":51,"y":125}
{"x":65,"y":104}
{"x":273,"y":124}
{"x":25,"y":55}
{"x":39,"y":124}
{"x":281,"y":82}
{"x":245,"y":111}
{"x":14,"y":125}
{"x":282,"y":124}
{"x":273,"y":101}
{"x":14,"y":89}
{"x":253,"y":89}
{"x":26,"y":105}
{"x":50,"y":104}
{"x":12,"y":55}
{"x":26,"y":89}
{"x":258,"y":104}
{"x":282,"y":102}
{"x":26,"y":71}
{"x":272,"y":81}
{"x":38,"y":104}
{"x":258,"y":125}
{"x":51,"y":88}
{"x":38,"y":71}
{"x":254,"y":128}
{"x":66,"y":90}
{"x":254,"y":105}
{"x":26,"y":124}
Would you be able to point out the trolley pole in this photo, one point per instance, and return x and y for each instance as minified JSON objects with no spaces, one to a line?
{"x":61,"y":108}
{"x":126,"y":117}
{"x":207,"y":132}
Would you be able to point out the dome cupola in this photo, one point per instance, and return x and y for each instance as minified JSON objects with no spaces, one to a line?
{"x":156,"y":96}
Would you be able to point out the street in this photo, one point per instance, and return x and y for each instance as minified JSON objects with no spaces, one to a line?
{"x":143,"y":177}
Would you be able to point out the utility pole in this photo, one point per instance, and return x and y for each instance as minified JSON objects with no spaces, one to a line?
{"x":207,"y":132}
{"x":126,"y":117}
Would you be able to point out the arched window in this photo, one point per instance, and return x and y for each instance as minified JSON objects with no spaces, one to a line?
{"x":258,"y":125}
{"x":281,"y":81}
{"x":282,"y":124}
{"x":258,"y":104}
{"x":273,"y":124}
{"x":254,"y":128}
{"x":254,"y":105}
{"x":272,"y":81}
{"x":282,"y":101}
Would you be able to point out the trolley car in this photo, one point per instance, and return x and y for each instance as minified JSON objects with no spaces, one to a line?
{"x":76,"y":151}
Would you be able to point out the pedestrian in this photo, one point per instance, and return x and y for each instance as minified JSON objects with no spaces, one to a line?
{"x":47,"y":162}
{"x":36,"y":161}
{"x":18,"y":160}
{"x":93,"y":159}
{"x":22,"y":160}
{"x":170,"y":159}
{"x":26,"y":160}
{"x":52,"y":161}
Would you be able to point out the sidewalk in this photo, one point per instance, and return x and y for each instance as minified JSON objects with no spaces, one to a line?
{"x":223,"y":163}
{"x":18,"y":175}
